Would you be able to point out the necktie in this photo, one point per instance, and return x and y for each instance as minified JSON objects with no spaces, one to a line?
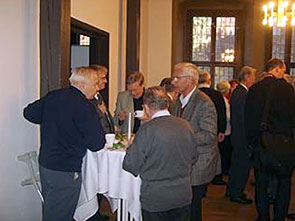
{"x":180,"y":112}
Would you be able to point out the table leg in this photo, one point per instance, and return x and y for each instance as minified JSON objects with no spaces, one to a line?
{"x":119,"y":210}
{"x":125,"y":210}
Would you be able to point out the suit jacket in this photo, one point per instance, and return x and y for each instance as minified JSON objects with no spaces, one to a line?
{"x":105,"y":119}
{"x":201,"y":114}
{"x":254,"y":107}
{"x":281,"y":106}
{"x":219,"y":104}
{"x":124,"y":102}
{"x":237,"y":107}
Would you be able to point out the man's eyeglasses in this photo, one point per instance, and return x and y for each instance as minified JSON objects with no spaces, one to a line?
{"x":177,"y":78}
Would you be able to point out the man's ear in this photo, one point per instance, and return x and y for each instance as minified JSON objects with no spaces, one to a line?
{"x":147,"y":110}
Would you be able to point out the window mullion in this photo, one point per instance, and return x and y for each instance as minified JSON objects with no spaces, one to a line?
{"x":213,"y":49}
{"x":288,"y":47}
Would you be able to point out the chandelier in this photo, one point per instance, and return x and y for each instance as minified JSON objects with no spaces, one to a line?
{"x":279,"y":14}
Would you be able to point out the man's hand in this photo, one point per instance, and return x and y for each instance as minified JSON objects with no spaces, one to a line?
{"x":122,"y":115}
{"x":220,"y":137}
{"x":102,"y":107}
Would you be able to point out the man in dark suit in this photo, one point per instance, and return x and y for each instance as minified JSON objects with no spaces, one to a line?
{"x":198,"y":109}
{"x":106,"y":121}
{"x":102,"y":111}
{"x":217,"y":98}
{"x":162,"y":153}
{"x":281,"y":105}
{"x":240,"y":162}
{"x":69,"y":126}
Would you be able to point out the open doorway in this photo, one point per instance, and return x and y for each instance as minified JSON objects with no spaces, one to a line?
{"x":89,"y":46}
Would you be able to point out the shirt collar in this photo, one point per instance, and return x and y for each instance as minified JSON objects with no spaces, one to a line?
{"x":204,"y":85}
{"x":244,"y":86}
{"x":97,"y":96}
{"x":184,"y":100}
{"x":161,"y":113}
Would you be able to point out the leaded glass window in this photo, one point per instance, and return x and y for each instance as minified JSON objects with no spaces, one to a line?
{"x":213,"y":43}
{"x":201,"y":38}
{"x":293,"y":46}
{"x":283,"y":46}
{"x":225,"y":39}
{"x":204,"y":68}
{"x":278,"y":42}
{"x":223,"y":74}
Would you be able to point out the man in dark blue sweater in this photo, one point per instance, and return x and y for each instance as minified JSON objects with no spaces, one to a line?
{"x":69,"y":126}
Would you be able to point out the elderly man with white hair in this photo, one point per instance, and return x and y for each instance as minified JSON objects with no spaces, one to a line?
{"x":69,"y":126}
{"x":198,"y":109}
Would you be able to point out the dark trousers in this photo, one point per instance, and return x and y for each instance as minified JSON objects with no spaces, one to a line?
{"x":196,"y":206}
{"x":179,"y":214}
{"x":61,"y":192}
{"x":225,"y":149}
{"x":282,"y":197}
{"x":239,"y":171}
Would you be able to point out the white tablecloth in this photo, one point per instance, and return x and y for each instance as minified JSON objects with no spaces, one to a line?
{"x":102,"y":173}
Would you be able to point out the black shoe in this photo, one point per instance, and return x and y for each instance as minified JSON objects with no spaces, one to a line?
{"x":241,"y":199}
{"x":219,"y":182}
{"x":103,"y":217}
{"x":227,"y":194}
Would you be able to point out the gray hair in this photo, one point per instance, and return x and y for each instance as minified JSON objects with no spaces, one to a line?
{"x":156,"y":98}
{"x":204,"y":77}
{"x":189,"y":69}
{"x":99,"y":68}
{"x":166,"y":83}
{"x":245,"y":72}
{"x":223,"y":87}
{"x":81,"y":75}
{"x":135,"y":77}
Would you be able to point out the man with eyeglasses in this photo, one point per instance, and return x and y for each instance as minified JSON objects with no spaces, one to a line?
{"x":197,"y":108}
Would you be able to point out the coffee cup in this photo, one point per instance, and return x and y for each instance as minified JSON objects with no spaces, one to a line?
{"x":139,"y":113}
{"x":110,"y":138}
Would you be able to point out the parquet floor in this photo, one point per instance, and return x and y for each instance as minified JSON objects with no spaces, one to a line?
{"x":216,"y":207}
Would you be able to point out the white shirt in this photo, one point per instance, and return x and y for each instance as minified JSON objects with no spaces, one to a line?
{"x":184,"y":100}
{"x":161,"y":113}
{"x":204,"y":85}
{"x":244,"y":86}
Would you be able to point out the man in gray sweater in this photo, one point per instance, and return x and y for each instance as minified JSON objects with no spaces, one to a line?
{"x":162,"y":153}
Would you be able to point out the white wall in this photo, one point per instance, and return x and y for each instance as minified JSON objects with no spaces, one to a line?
{"x":156,"y":40}
{"x":19,"y":85}
{"x":104,"y":14}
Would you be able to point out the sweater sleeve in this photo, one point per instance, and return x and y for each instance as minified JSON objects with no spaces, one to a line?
{"x":136,"y":153}
{"x":33,"y":112}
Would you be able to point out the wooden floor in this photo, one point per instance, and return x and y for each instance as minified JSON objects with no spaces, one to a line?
{"x":216,"y":207}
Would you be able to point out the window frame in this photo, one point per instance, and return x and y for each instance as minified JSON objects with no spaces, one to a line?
{"x":288,"y":39}
{"x":239,"y":40}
